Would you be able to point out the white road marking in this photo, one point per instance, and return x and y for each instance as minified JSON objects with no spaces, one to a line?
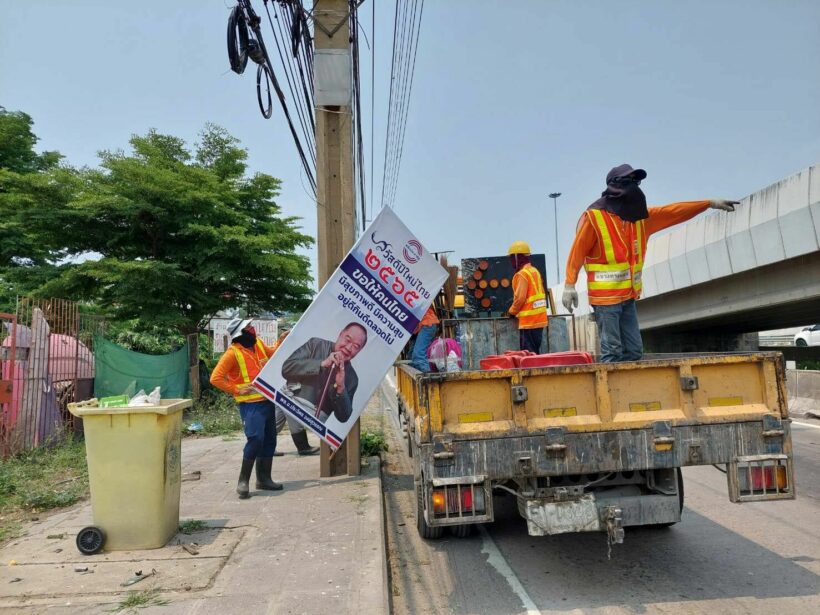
{"x":497,"y":561}
{"x":806,"y":425}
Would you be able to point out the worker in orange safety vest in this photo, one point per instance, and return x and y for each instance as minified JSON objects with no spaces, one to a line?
{"x":529,"y":298}
{"x":610,"y":243}
{"x":233,"y":374}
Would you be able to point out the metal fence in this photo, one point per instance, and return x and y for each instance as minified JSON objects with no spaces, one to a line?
{"x":46,"y":362}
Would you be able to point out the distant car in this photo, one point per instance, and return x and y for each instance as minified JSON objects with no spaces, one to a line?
{"x":810,"y":336}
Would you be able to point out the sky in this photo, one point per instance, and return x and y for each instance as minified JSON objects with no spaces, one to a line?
{"x":511,"y":101}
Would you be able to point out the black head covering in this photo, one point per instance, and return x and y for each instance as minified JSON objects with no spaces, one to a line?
{"x":626,"y":202}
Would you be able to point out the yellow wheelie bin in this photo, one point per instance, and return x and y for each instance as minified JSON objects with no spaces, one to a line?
{"x":134,"y":470}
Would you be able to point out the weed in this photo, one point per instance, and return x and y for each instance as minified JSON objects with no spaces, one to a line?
{"x":139,"y":600}
{"x":189,"y":526}
{"x":216,"y":413}
{"x":372,"y":443}
{"x":44,"y":478}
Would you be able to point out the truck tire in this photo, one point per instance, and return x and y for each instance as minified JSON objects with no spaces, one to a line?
{"x":461,"y":531}
{"x":425,"y":531}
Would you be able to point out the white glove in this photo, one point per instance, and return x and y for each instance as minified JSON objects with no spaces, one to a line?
{"x":570,"y":297}
{"x":723,"y":204}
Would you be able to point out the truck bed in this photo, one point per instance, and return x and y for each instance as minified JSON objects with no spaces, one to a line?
{"x":665,"y":412}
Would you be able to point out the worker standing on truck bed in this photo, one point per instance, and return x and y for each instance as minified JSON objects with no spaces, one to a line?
{"x":425,"y":334}
{"x":610,"y":243}
{"x":529,"y":299}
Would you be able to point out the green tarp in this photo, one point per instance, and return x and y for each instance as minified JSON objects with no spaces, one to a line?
{"x":119,"y":371}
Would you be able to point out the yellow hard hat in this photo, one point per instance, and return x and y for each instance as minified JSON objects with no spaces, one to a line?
{"x":519,"y":247}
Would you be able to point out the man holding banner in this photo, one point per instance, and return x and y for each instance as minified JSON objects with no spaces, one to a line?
{"x":320,"y":372}
{"x":371,"y":305}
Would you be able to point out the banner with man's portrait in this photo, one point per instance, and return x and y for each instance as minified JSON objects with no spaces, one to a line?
{"x":326,"y":370}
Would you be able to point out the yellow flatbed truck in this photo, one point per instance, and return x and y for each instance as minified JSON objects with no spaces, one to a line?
{"x":594,"y":447}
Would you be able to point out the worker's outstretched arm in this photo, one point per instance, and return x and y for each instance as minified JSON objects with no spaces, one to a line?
{"x":670,"y":215}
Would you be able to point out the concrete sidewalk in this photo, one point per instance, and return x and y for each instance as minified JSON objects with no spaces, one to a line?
{"x":316,"y":547}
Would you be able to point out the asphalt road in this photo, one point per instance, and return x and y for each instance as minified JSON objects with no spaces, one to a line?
{"x":722,"y":557}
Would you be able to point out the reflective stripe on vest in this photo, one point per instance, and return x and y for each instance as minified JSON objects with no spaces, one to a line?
{"x":243,"y":370}
{"x":616,"y":273}
{"x":534,"y":312}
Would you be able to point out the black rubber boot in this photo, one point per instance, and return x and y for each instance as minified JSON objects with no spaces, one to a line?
{"x":303,"y":447}
{"x":242,"y":487}
{"x":263,"y":479}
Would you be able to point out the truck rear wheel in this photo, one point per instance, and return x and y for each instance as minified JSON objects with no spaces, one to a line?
{"x":425,"y":531}
{"x":461,"y":531}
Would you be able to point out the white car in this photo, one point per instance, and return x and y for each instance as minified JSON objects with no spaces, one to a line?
{"x":810,"y":336}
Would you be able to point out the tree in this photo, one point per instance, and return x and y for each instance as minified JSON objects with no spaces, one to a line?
{"x":173,"y":236}
{"x":28,"y":180}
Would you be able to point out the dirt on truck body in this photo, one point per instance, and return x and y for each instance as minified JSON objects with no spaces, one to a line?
{"x":594,"y":447}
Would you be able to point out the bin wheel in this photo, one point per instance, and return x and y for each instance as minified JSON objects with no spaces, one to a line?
{"x":90,"y":540}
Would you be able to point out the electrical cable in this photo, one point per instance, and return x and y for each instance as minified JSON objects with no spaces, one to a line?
{"x":253,"y":22}
{"x":372,"y":103}
{"x":406,"y":30}
{"x":290,"y":77}
{"x":407,"y":106}
{"x":267,"y":111}
{"x":237,"y":41}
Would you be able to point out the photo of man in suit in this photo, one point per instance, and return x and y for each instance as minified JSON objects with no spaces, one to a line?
{"x":319,"y":372}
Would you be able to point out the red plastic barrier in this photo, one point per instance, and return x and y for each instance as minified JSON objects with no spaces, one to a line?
{"x":517,"y":355}
{"x":553,"y":359}
{"x":498,"y":362}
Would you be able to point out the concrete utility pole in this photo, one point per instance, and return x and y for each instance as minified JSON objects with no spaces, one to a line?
{"x":335,"y":197}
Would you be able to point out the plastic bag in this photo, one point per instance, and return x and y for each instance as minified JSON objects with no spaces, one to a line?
{"x":440,"y":349}
{"x":142,"y":399}
{"x":453,"y":362}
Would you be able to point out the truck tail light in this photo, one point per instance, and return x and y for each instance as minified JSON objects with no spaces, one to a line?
{"x":438,"y":501}
{"x":756,"y":478}
{"x":768,"y":478}
{"x":459,"y":500}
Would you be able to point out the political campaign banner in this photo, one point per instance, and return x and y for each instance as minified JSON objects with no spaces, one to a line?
{"x":326,"y":370}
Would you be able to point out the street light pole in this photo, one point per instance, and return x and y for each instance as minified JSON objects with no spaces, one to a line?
{"x":554,"y":196}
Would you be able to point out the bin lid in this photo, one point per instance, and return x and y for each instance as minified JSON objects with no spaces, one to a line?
{"x":166,"y":406}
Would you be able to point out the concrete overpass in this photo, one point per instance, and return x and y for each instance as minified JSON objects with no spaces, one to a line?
{"x":721,"y":276}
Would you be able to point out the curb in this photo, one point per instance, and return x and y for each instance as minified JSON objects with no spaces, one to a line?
{"x":374,"y":467}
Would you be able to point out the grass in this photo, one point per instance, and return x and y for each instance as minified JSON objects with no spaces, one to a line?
{"x":216,"y":412}
{"x":139,"y":600}
{"x":189,"y":526}
{"x":40,"y":480}
{"x":372,"y":442}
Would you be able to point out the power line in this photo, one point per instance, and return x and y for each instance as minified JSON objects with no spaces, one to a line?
{"x":406,"y":29}
{"x":407,"y":87}
{"x":372,"y":103}
{"x":245,"y":21}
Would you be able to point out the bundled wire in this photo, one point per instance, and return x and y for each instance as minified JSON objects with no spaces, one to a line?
{"x":292,"y":37}
{"x":237,"y":41}
{"x":245,"y":41}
